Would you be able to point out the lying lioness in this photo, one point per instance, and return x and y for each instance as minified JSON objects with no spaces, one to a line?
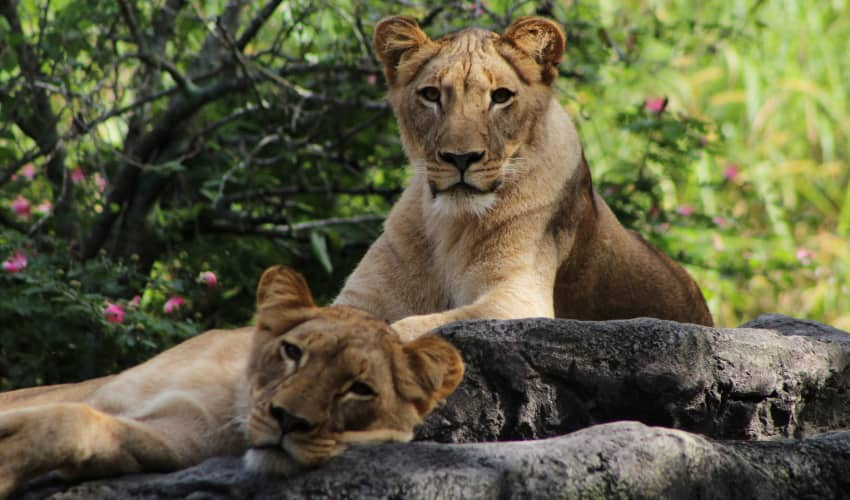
{"x":293,"y":391}
{"x":500,"y":219}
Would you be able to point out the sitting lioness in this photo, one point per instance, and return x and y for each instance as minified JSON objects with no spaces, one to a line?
{"x":293,"y":391}
{"x":500,"y":219}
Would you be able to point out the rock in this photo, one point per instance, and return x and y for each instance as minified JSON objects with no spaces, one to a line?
{"x":787,"y":325}
{"x":535,"y":378}
{"x":772,"y":379}
{"x":619,"y":460}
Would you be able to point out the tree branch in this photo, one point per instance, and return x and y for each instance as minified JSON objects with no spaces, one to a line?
{"x":295,"y":190}
{"x":287,"y":230}
{"x":124,"y":183}
{"x":256,"y":24}
{"x":34,"y":116}
{"x":155,"y":60}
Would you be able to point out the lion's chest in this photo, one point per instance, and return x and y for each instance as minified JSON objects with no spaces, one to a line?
{"x":463,"y":264}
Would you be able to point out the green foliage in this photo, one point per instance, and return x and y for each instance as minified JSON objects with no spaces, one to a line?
{"x":767,"y":195}
{"x":170,"y":138}
{"x":54,"y":328}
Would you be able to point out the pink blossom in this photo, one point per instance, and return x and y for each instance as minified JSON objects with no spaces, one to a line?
{"x":100,"y":182}
{"x":720,"y":221}
{"x":44,"y":207}
{"x":476,"y":9}
{"x":685,"y":210}
{"x":731,"y":172}
{"x":371,"y":79}
{"x":134,"y":303}
{"x":654,"y":211}
{"x":28,"y":171}
{"x":21,"y":207}
{"x":78,"y":175}
{"x":173,"y":304}
{"x":16,"y":263}
{"x":113,"y":313}
{"x":804,"y":256}
{"x":703,"y":140}
{"x":655,"y":104}
{"x":208,"y":278}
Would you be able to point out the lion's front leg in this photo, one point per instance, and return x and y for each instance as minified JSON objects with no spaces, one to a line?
{"x":77,"y":439}
{"x":520,"y":298}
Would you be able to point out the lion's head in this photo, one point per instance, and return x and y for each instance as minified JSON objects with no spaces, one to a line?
{"x":322,"y":378}
{"x":467,"y":102}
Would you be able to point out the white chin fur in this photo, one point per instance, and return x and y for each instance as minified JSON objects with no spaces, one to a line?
{"x":452,"y":204}
{"x":270,"y":463}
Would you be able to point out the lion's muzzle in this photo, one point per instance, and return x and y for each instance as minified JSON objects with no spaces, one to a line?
{"x":288,"y":422}
{"x":461,"y":161}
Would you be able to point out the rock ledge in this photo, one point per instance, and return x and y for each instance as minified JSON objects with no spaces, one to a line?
{"x":718,"y":409}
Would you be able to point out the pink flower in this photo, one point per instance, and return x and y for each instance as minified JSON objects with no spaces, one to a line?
{"x":113,"y":313}
{"x":78,"y":175}
{"x":21,"y":207}
{"x":28,"y":171}
{"x":731,"y":172}
{"x":16,"y":263}
{"x":371,"y":79}
{"x":477,"y":8}
{"x":100,"y":182}
{"x":703,"y":140}
{"x":134,"y":303}
{"x":208,"y":278}
{"x":685,"y":210}
{"x":173,"y":304}
{"x":655,"y":104}
{"x":44,"y":207}
{"x":804,"y":256}
{"x":654,"y":212}
{"x":720,"y":221}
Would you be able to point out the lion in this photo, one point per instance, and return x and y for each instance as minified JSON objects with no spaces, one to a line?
{"x":500,"y":219}
{"x":291,"y":393}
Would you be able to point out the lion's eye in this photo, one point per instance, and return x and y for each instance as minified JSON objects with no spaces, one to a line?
{"x":290,"y":351}
{"x":361,"y":389}
{"x":501,"y":95}
{"x":430,"y":94}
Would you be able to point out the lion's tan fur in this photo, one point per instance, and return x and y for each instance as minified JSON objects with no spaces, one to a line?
{"x":213,"y":395}
{"x":528,"y":236}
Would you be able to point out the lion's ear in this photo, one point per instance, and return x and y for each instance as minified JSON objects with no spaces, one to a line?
{"x":541,"y":39}
{"x":280,"y":286}
{"x":431,"y":370}
{"x":396,"y":38}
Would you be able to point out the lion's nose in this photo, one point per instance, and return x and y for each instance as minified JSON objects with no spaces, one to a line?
{"x":462,"y":161}
{"x":289,"y":422}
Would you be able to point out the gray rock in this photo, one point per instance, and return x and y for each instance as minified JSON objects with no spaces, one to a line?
{"x":530,"y":379}
{"x":619,"y":460}
{"x":536,"y":378}
{"x":787,"y":325}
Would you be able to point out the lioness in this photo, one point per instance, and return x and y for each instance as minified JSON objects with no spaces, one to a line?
{"x":500,"y":219}
{"x":293,"y":391}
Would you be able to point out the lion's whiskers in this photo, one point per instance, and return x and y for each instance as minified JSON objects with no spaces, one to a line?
{"x":515,"y":166}
{"x":420,"y":165}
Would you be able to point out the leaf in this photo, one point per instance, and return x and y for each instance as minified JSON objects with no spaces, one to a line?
{"x":320,"y":249}
{"x":8,"y":60}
